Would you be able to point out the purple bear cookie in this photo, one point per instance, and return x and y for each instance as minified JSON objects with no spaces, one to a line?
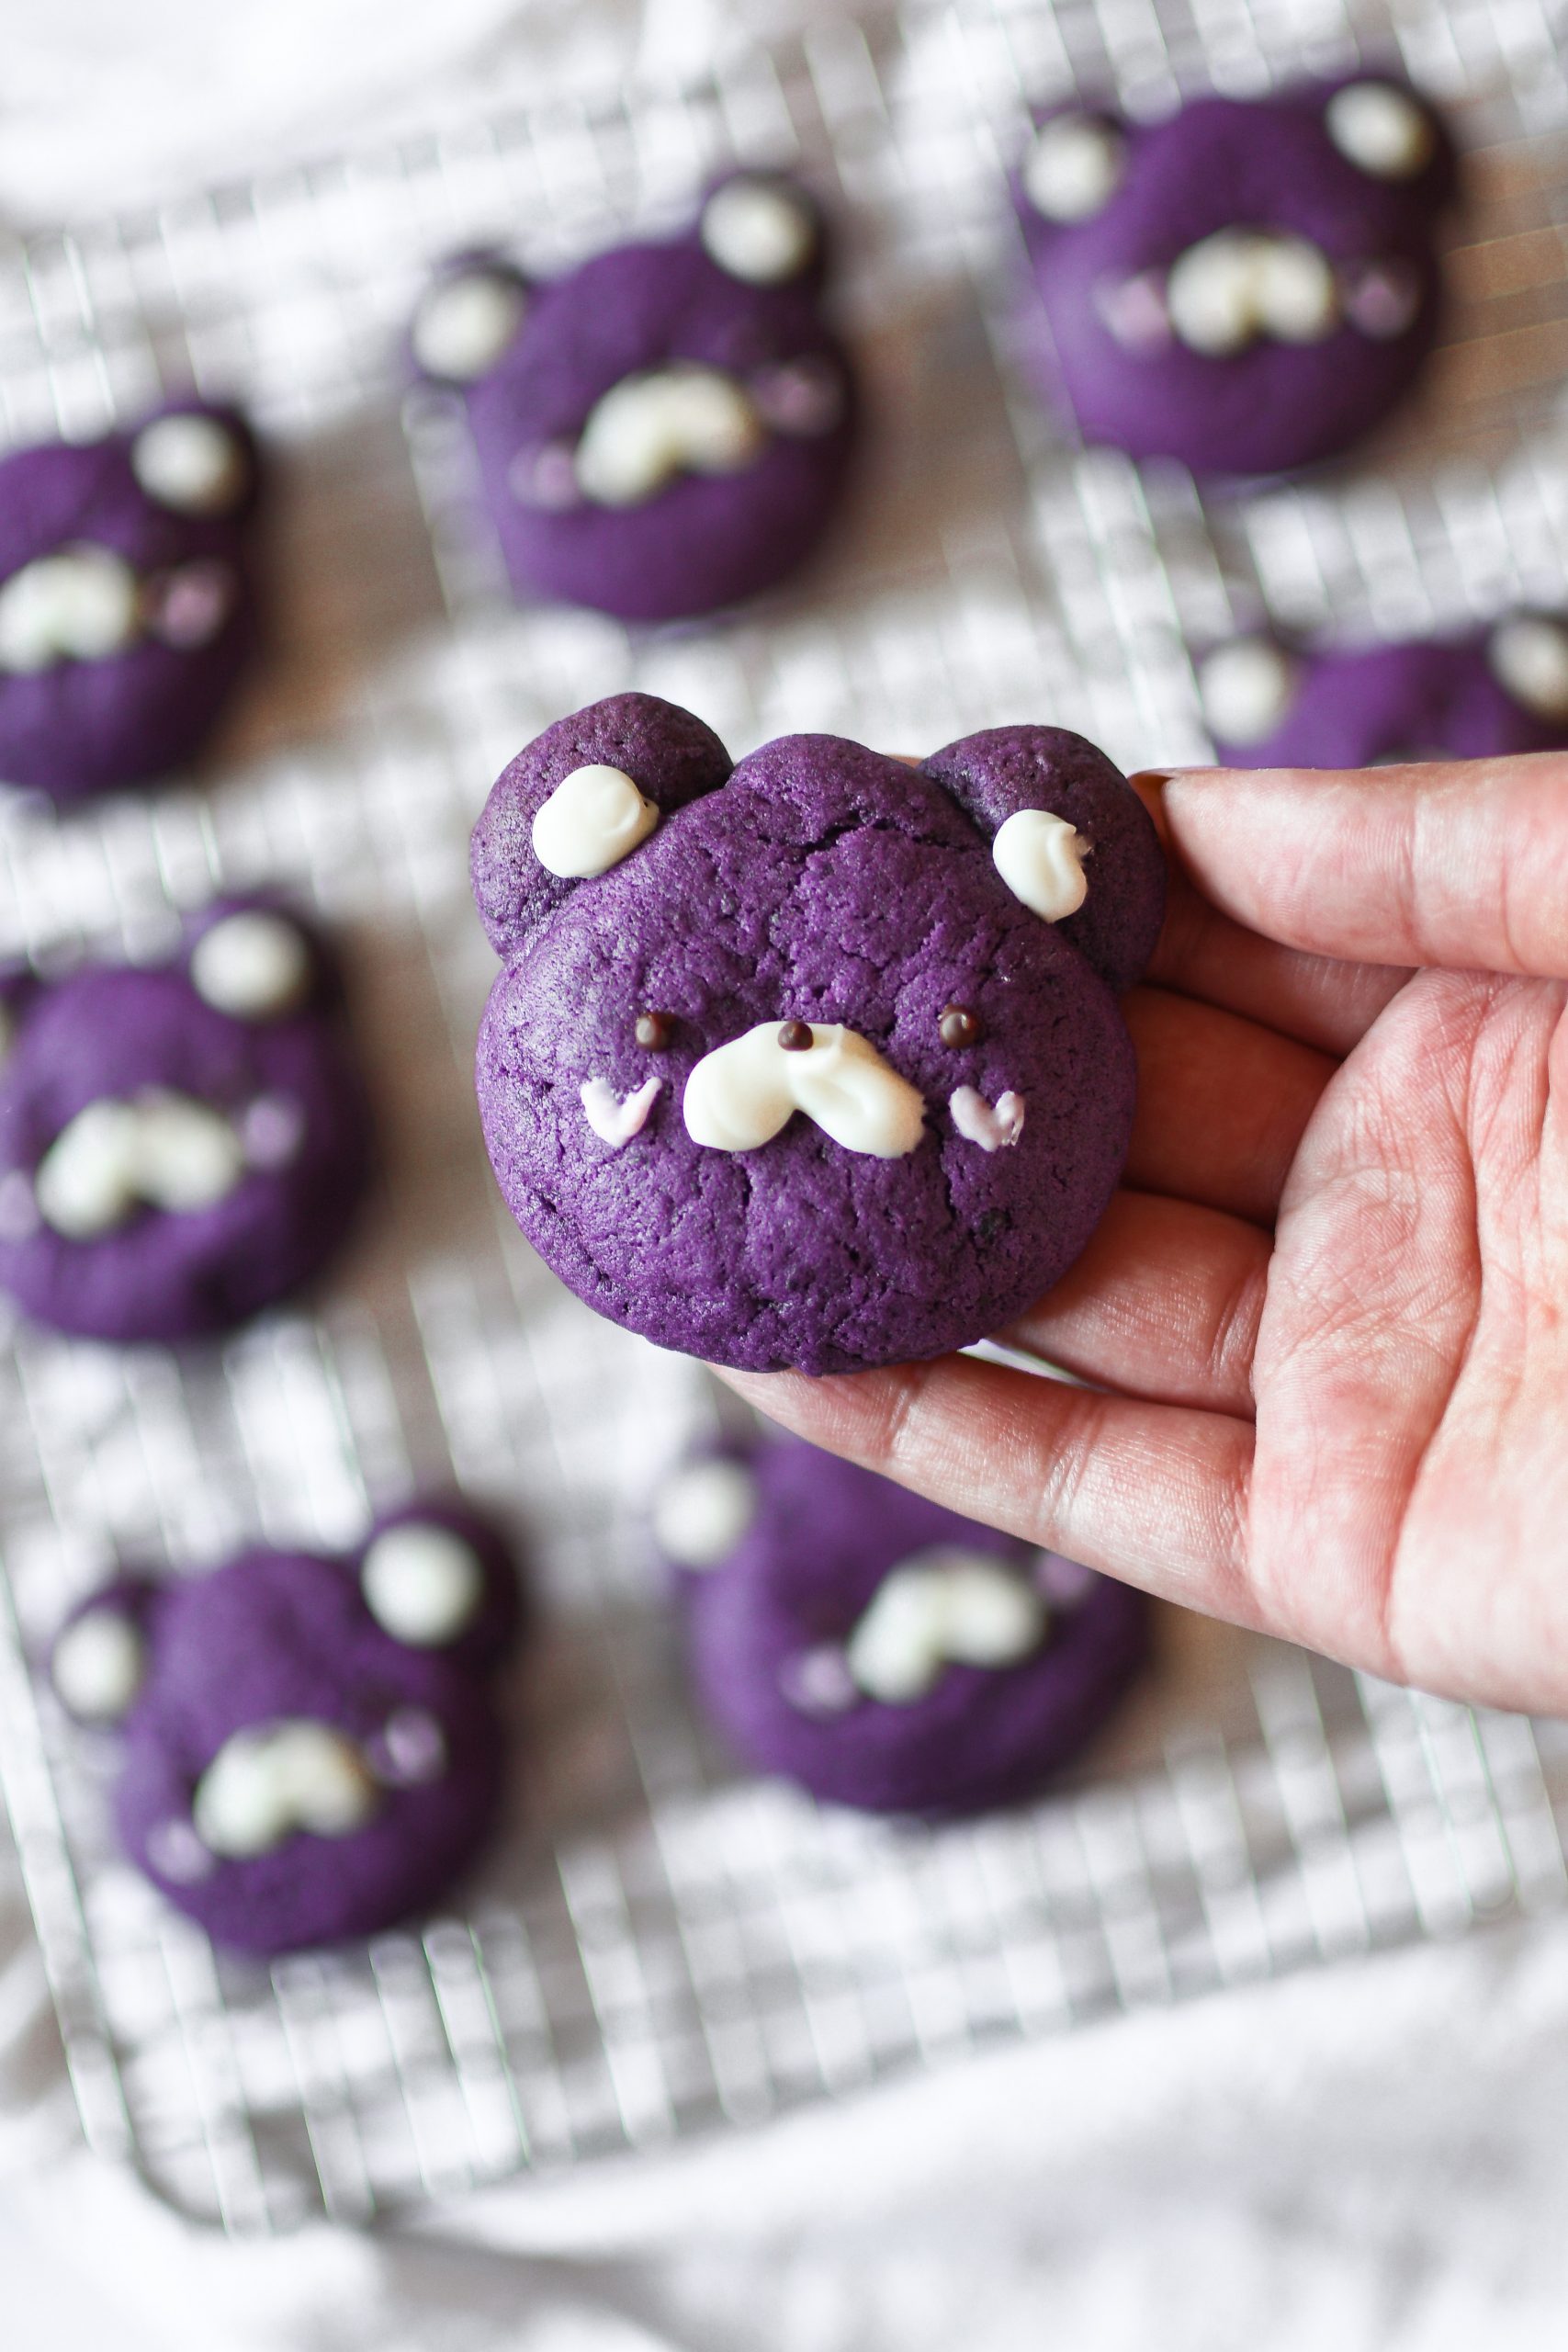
{"x":310,"y":1751}
{"x":180,"y":1143}
{"x":879,"y":1649}
{"x":815,"y":1061}
{"x":1245,"y":287}
{"x":127,"y":609}
{"x":667,"y":429}
{"x":1482,"y":696}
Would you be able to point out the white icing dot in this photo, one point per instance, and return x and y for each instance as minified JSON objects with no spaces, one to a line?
{"x":759,"y":230}
{"x":412,"y":1748}
{"x":271,"y":1780}
{"x":79,"y":605}
{"x":97,"y":1664}
{"x":272,"y":1130}
{"x":1074,"y":167}
{"x":818,"y":1682}
{"x":1381,"y":130}
{"x":649,"y":428}
{"x":1246,"y":688}
{"x":944,"y":1606}
{"x":177,"y":1853}
{"x":1040,"y":857}
{"x":195,"y":464}
{"x":613,"y":1120}
{"x":1381,"y":298}
{"x":465,"y":321}
{"x":595,"y":818}
{"x":1064,"y":1583}
{"x":252,"y":965}
{"x":1134,"y":308}
{"x":993,"y":1126}
{"x":1529,"y":654}
{"x":701,"y":1513}
{"x":422,"y":1583}
{"x":801,"y":397}
{"x":738,"y":1096}
{"x":187,"y":608}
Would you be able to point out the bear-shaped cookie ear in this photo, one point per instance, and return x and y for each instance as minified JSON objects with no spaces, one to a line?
{"x":703,"y":1507}
{"x":1389,"y":133}
{"x":253,"y":960}
{"x":1073,"y":165}
{"x":436,"y":1577}
{"x":580,"y":799}
{"x":1528,"y":655}
{"x":1247,"y":687}
{"x":99,"y":1659}
{"x":1069,"y":837}
{"x":467,"y":318}
{"x":763,"y":229}
{"x":196,"y":459}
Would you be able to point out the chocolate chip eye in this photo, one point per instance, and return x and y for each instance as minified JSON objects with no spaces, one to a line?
{"x":956,"y":1026}
{"x":655,"y":1032}
{"x":796,"y":1036}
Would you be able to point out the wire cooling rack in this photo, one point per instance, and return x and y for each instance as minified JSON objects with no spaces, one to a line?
{"x":659,"y":1947}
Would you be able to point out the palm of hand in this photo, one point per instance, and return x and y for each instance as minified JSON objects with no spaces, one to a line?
{"x":1327,"y":1315}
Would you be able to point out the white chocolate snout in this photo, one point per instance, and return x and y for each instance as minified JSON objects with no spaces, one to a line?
{"x":271,"y":1780}
{"x":742,"y":1094}
{"x":651,"y":428}
{"x":943,"y":1606}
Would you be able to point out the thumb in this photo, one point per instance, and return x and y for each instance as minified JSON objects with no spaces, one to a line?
{"x":1462,"y":864}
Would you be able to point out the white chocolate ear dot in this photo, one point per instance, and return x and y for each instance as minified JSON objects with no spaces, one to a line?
{"x":1040,"y":857}
{"x":97,"y":1664}
{"x":740,"y":1095}
{"x":1074,"y":167}
{"x":1383,"y":131}
{"x":422,"y":1583}
{"x":271,"y":1780}
{"x":759,"y":230}
{"x":940,"y":1607}
{"x":1528,"y":655}
{"x":649,"y":428}
{"x":465,"y":323}
{"x":252,"y":965}
{"x":78,"y":605}
{"x":195,"y":464}
{"x":1247,"y":687}
{"x":594,"y":818}
{"x":701,"y":1513}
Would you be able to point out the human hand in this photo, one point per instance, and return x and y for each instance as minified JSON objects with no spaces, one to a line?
{"x":1329,"y":1309}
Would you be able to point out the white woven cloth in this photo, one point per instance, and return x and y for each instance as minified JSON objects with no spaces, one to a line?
{"x":1373,"y":2159}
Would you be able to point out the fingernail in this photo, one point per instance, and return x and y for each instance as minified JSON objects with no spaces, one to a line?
{"x":1170,"y":775}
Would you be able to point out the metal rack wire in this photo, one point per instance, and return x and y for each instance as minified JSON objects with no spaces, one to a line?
{"x":659,"y":1947}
